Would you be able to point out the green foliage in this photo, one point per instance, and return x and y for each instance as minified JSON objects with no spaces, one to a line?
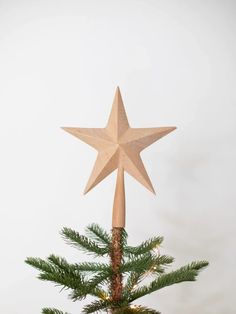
{"x":186,"y":273}
{"x":94,"y":278}
{"x":99,"y":235}
{"x":136,"y":309}
{"x":84,"y":243}
{"x":52,"y":311}
{"x":144,"y":247}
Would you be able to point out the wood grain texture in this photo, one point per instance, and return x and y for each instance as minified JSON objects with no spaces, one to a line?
{"x":119,"y":146}
{"x":118,"y":215}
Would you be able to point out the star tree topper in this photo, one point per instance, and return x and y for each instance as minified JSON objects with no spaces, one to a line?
{"x":119,"y":146}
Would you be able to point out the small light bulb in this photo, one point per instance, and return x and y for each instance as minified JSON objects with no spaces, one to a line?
{"x":133,"y":306}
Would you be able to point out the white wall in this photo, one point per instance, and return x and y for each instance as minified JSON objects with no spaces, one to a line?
{"x":175,"y":63}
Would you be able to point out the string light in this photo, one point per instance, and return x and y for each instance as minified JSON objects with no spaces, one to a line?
{"x":156,"y":251}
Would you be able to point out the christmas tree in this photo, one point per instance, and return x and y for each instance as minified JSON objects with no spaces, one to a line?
{"x":119,"y":282}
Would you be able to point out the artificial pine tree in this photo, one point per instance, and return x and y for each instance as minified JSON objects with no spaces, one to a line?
{"x":116,"y":284}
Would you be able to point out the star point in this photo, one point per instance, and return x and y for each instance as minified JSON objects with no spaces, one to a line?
{"x":118,"y":121}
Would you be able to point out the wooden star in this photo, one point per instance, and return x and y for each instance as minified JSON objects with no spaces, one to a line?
{"x":119,"y":146}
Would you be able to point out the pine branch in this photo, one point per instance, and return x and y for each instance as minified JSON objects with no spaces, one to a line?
{"x":131,"y":282}
{"x":58,"y":271}
{"x":93,"y":291}
{"x":97,"y":306}
{"x":165,"y":260}
{"x":52,"y":311}
{"x":137,"y":276}
{"x":62,"y":265}
{"x":186,"y":273}
{"x":91,"y":286}
{"x":196,"y":265}
{"x":92,"y":267}
{"x":100,"y":293}
{"x":40,"y":264}
{"x":161,"y":263}
{"x":99,"y":278}
{"x":143,"y":267}
{"x":146,"y":262}
{"x":144,"y":247}
{"x":98,"y":234}
{"x":136,"y":309}
{"x":83,"y":243}
{"x":59,"y":279}
{"x":138,"y":264}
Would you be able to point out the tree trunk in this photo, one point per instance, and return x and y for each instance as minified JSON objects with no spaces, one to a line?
{"x":116,"y":259}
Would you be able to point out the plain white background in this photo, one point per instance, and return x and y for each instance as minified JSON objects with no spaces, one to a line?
{"x":60,"y":63}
